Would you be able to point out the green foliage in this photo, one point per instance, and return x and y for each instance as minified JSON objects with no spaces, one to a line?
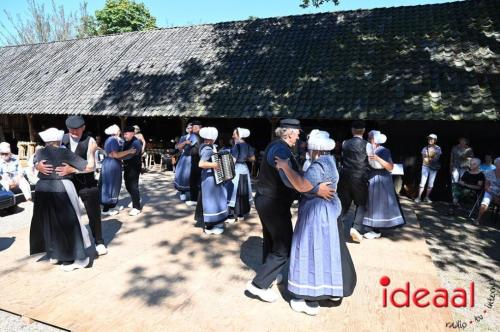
{"x":123,"y":16}
{"x":317,"y":3}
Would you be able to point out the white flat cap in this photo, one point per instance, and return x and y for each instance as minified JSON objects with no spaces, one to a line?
{"x":4,"y":147}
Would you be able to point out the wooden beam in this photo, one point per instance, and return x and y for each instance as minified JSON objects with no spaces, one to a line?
{"x":123,"y":122}
{"x":274,"y":123}
{"x":30,"y":127}
{"x":183,"y":125}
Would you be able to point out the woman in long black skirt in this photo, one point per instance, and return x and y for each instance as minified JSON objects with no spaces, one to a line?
{"x":240,"y":194}
{"x":56,"y":227}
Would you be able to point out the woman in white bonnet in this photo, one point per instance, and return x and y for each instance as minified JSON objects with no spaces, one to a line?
{"x":321,"y":267}
{"x":111,"y":172}
{"x":383,"y":209}
{"x":56,"y":226}
{"x":212,"y":201}
{"x":239,"y":194}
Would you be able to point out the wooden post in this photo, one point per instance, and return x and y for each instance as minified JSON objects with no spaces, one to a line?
{"x":123,"y":121}
{"x":30,"y":127}
{"x":274,"y":122}
{"x":183,"y":126}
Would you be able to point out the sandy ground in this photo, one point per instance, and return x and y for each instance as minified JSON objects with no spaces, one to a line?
{"x":163,"y":273}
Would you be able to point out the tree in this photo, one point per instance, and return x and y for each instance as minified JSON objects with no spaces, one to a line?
{"x":317,"y":3}
{"x":41,"y":25}
{"x":124,"y":16}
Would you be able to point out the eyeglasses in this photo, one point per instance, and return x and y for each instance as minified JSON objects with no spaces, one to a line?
{"x":4,"y":154}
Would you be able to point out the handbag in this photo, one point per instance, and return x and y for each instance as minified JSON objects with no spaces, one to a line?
{"x":435,"y":165}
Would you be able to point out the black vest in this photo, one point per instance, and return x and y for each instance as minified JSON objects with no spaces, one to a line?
{"x":84,"y":180}
{"x":136,"y":160}
{"x":270,"y":183}
{"x":354,"y":158}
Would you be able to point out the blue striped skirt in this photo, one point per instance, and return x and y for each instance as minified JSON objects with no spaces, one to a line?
{"x":320,"y":263}
{"x":182,"y":173}
{"x":214,"y":198}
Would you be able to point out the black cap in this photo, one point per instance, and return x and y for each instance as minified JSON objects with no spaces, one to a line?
{"x":74,"y":122}
{"x":358,"y":124}
{"x":128,"y":129}
{"x":196,"y":123}
{"x":289,"y":123}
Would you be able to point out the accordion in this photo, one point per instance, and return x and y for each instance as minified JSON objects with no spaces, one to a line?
{"x":226,"y":166}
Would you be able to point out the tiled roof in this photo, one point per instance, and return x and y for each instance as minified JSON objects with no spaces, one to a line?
{"x":422,"y":62}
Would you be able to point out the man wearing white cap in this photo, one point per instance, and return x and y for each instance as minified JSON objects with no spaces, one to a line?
{"x":56,"y":226}
{"x":11,"y":174}
{"x":430,"y":167}
{"x":213,"y":196}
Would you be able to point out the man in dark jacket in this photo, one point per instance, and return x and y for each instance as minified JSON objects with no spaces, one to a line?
{"x":353,"y":183}
{"x":132,"y":168}
{"x":273,"y":202}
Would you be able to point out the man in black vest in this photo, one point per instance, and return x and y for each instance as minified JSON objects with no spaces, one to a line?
{"x":195,"y":175}
{"x":132,"y":168}
{"x":273,"y":201}
{"x":353,"y":182}
{"x":85,"y":183}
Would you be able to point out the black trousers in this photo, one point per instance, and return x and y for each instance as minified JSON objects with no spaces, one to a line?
{"x":276,"y":220}
{"x":90,"y":198}
{"x":353,"y":189}
{"x":131,"y":177}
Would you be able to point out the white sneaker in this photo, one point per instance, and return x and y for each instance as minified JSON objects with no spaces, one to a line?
{"x":427,"y":200}
{"x":101,"y":249}
{"x":120,"y":208}
{"x":111,"y":212}
{"x":190,"y":203}
{"x":417,"y":200}
{"x":267,"y":295}
{"x":355,"y":235}
{"x":217,"y":230}
{"x":183,"y":197}
{"x":72,"y":267}
{"x":310,"y":308}
{"x":231,"y":220}
{"x":130,"y":205}
{"x":371,"y":235}
{"x":78,"y":264}
{"x":53,"y":261}
{"x":134,"y":212}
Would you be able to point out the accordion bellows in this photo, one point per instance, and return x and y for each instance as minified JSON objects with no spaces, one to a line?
{"x":226,"y":170}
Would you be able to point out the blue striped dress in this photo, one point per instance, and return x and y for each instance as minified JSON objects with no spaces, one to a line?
{"x":214,"y":196}
{"x":183,"y":168}
{"x":383,"y":209}
{"x":320,"y":263}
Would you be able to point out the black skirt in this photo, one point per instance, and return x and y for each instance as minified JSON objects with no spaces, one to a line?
{"x":55,"y":228}
{"x":242,"y":203}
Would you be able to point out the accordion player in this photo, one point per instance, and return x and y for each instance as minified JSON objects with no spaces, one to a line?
{"x":226,"y":171}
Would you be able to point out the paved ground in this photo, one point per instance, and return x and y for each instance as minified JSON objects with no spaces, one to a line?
{"x":163,"y":273}
{"x":465,"y":253}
